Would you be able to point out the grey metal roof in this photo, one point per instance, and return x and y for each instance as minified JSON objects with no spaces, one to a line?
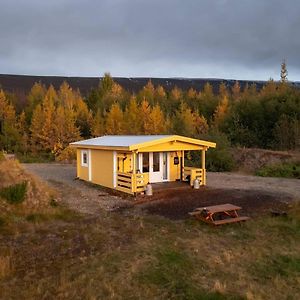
{"x":119,"y":140}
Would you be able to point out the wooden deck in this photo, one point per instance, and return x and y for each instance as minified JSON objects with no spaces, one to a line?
{"x":163,"y":186}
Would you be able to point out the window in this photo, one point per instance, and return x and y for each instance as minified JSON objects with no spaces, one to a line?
{"x":84,"y":158}
{"x":145,"y":162}
{"x":137,"y":163}
{"x":156,"y":161}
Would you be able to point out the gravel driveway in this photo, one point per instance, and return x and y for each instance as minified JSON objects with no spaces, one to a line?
{"x":78,"y":195}
{"x":280,"y":186}
{"x":89,"y":199}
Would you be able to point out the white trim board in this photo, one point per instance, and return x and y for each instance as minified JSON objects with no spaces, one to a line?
{"x":90,"y":164}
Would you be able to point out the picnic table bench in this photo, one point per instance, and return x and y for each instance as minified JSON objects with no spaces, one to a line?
{"x":218,"y":214}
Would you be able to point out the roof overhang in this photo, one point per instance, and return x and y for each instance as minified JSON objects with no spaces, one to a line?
{"x":173,"y":138}
{"x":140,"y":146}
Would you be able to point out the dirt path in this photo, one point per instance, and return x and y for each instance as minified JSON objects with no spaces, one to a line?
{"x":89,"y":199}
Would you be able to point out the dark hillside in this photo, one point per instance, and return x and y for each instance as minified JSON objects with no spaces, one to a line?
{"x":21,"y":84}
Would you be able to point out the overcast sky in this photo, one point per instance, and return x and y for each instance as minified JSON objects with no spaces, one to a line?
{"x":239,"y":39}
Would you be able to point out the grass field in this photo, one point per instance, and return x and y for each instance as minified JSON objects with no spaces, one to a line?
{"x":48,"y":251}
{"x":125,"y":256}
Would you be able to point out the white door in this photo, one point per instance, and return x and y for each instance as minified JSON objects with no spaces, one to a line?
{"x":156,"y":167}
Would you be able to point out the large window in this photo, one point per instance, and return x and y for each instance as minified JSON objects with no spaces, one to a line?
{"x":84,"y":158}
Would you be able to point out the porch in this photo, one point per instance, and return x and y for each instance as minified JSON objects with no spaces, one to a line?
{"x":136,"y":183}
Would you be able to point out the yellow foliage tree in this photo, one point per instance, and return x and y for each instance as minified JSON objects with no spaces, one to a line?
{"x":157,"y":121}
{"x":35,"y":97}
{"x":9,"y":135}
{"x":132,"y":117}
{"x":115,"y":120}
{"x":43,"y":125}
{"x":97,"y":127}
{"x":144,"y":113}
{"x":66,"y":95}
{"x":220,"y":112}
{"x":65,"y":129}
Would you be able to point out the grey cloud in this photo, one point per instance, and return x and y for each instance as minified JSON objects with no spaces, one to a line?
{"x":212,"y":38}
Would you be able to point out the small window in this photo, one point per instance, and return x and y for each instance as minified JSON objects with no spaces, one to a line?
{"x":84,"y":158}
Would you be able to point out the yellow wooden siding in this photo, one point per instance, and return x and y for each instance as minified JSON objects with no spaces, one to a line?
{"x":124,"y":162}
{"x":171,"y":146}
{"x":174,"y":169}
{"x":82,"y":172}
{"x":102,"y":167}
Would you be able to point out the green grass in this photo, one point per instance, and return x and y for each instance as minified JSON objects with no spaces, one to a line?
{"x":118,"y":256}
{"x":14,"y":194}
{"x":173,"y":272}
{"x":287,"y":170}
{"x":276,"y":265}
{"x":36,"y":218}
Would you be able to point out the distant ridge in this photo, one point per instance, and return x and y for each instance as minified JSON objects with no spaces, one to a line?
{"x":21,"y":84}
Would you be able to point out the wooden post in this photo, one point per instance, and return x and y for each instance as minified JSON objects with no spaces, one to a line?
{"x":133,"y":183}
{"x":203,"y":166}
{"x":182,"y":176}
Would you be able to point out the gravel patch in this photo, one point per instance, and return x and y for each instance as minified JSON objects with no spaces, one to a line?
{"x":91,"y":199}
{"x":77,"y":194}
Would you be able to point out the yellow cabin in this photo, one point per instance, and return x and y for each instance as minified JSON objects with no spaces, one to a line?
{"x":129,"y":163}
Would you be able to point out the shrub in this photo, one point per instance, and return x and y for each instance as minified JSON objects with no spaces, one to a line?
{"x":35,"y":158}
{"x":14,"y":194}
{"x":287,"y":170}
{"x":35,"y":218}
{"x":67,"y":155}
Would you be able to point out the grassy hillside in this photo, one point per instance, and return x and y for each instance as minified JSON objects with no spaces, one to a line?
{"x":24,"y":198}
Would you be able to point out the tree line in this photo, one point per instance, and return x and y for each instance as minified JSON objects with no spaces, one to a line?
{"x":50,"y":119}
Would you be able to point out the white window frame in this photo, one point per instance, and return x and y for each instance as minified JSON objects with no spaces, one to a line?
{"x":84,"y":152}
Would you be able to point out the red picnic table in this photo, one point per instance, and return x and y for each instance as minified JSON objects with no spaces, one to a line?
{"x":219,"y":214}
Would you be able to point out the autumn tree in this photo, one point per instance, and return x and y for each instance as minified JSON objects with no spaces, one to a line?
{"x":223,"y":91}
{"x":183,"y":121}
{"x":115,"y":120}
{"x":83,"y":117}
{"x":132,"y":117}
{"x":220,"y":112}
{"x":22,"y":128}
{"x":148,"y":93}
{"x":65,"y":130}
{"x":144,"y":112}
{"x":208,"y":101}
{"x":236,"y":91}
{"x":157,"y":123}
{"x":97,"y":125}
{"x":43,"y":125}
{"x":66,"y":95}
{"x":9,"y":135}
{"x":200,"y":125}
{"x":35,"y":97}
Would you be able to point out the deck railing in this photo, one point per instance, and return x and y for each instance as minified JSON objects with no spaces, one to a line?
{"x":132,"y":183}
{"x":194,"y":173}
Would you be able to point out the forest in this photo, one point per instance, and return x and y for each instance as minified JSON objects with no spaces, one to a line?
{"x":49,"y":119}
